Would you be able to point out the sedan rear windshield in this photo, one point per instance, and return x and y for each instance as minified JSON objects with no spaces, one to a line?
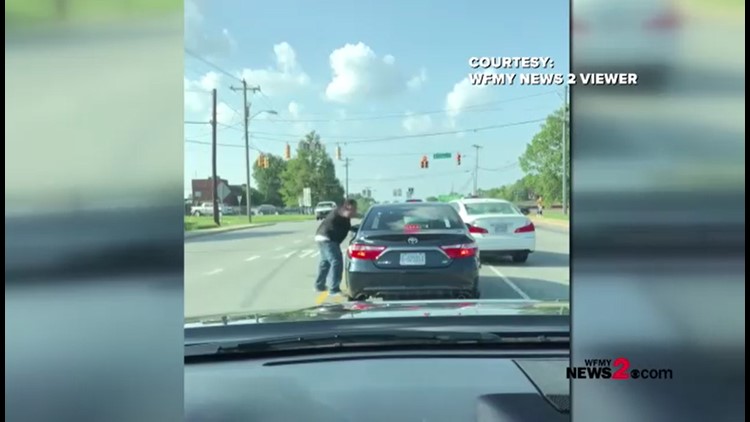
{"x":413,"y":217}
{"x":490,"y":208}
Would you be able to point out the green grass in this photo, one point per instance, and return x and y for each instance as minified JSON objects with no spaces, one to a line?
{"x":36,"y":12}
{"x":556,"y":215}
{"x":202,"y":223}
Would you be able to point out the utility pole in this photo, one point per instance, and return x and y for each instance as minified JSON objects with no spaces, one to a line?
{"x":476,"y":167}
{"x":565,"y":128}
{"x":244,"y":89}
{"x":214,"y":178}
{"x":346,"y":177}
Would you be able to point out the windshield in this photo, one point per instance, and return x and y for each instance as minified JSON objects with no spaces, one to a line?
{"x":425,"y":218}
{"x":491,"y":208}
{"x":426,"y":159}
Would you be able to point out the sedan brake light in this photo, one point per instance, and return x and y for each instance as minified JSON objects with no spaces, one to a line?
{"x":526,"y":229}
{"x":477,"y":230}
{"x":365,"y":252}
{"x":468,"y":250}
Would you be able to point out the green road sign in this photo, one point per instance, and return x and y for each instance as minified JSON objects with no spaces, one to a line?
{"x":440,"y":155}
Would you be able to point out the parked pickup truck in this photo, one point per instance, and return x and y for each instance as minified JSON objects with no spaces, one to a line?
{"x":323,"y":208}
{"x":207,"y":208}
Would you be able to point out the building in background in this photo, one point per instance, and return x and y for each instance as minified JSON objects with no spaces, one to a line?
{"x":203,"y":191}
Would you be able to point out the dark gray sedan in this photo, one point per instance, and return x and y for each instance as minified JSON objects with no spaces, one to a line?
{"x":412,"y":250}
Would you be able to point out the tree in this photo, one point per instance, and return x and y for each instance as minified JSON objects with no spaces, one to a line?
{"x":542,"y":160}
{"x":269,"y":180}
{"x":312,"y":168}
{"x":363,"y":202}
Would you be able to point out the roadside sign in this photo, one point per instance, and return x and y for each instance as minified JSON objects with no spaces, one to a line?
{"x":441,"y":155}
{"x":307,"y":197}
{"x":224,"y":191}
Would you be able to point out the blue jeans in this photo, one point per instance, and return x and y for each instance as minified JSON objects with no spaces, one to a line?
{"x":330,"y":258}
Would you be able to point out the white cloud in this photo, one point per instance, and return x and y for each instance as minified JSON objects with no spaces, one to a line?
{"x":202,"y":40}
{"x":224,"y":114}
{"x":285,"y":77}
{"x":359,"y":74}
{"x":414,"y":123}
{"x":464,"y":95}
{"x":418,"y":81}
{"x":295,"y":109}
{"x":197,"y":92}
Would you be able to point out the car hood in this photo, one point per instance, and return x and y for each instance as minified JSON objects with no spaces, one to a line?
{"x":388,"y":309}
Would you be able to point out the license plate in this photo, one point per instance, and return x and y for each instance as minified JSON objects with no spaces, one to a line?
{"x":500,"y":228}
{"x":412,"y":259}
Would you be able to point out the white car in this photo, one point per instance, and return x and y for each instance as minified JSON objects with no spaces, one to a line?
{"x":640,"y":36}
{"x":498,"y":226}
{"x":323,"y":208}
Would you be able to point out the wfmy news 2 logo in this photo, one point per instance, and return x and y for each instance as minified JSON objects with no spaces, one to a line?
{"x":615,"y":369}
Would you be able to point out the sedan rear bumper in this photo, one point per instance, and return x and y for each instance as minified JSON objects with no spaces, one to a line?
{"x":461,"y":278}
{"x":500,"y":244}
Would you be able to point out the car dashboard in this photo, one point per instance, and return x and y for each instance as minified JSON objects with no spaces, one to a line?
{"x":509,"y":385}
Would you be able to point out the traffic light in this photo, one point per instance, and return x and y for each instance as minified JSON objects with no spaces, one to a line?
{"x":261,"y":161}
{"x":265,"y":162}
{"x":287,"y":152}
{"x":458,"y":158}
{"x":424,"y":163}
{"x":338,"y":153}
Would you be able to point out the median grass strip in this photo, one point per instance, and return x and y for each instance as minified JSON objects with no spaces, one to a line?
{"x":193,"y":223}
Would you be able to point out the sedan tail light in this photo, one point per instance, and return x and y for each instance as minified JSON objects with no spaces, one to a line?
{"x":526,"y":229}
{"x":365,"y":252}
{"x":477,"y":230}
{"x":468,"y":250}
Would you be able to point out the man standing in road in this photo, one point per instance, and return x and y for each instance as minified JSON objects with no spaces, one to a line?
{"x":331,"y":232}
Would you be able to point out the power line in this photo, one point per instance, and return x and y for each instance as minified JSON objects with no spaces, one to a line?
{"x":401,"y":115}
{"x":341,"y":139}
{"x":199,"y":58}
{"x":448,"y":132}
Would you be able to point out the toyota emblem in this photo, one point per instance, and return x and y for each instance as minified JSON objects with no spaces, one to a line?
{"x":412,"y":240}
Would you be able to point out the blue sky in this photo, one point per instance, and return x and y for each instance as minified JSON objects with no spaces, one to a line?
{"x":358,"y":72}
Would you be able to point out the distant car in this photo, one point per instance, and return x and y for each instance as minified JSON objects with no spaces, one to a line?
{"x":416,"y":250}
{"x":499,"y":227}
{"x":323,"y":208}
{"x":267,"y":210}
{"x":638,"y":36}
{"x":207,"y":208}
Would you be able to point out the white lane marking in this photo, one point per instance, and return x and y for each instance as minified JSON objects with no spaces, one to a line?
{"x":316,"y":253}
{"x":279,"y":248}
{"x":298,"y":241}
{"x":252,"y":258}
{"x":286,"y":255}
{"x":306,"y":252}
{"x":510,"y":283}
{"x":214,"y":272}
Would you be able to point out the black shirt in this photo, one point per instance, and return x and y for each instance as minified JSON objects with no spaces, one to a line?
{"x":335,"y":227}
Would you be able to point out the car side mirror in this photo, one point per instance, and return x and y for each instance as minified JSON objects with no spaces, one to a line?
{"x":525,"y":211}
{"x":355,"y":228}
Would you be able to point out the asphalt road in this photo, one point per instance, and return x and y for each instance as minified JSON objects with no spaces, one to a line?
{"x":273,"y":267}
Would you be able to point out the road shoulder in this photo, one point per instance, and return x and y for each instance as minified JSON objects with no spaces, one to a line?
{"x":549,"y":222}
{"x":206,"y":232}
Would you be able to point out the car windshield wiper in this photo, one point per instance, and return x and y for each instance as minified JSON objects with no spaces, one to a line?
{"x":371,"y":338}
